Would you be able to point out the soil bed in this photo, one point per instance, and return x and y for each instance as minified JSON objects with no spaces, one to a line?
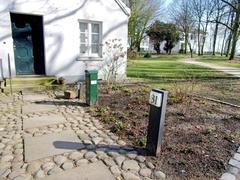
{"x":200,"y":135}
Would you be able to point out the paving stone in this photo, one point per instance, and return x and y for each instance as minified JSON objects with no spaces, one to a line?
{"x":145,"y":172}
{"x":33,"y":108}
{"x":130,"y":176}
{"x":119,"y":160}
{"x":140,"y":158}
{"x":97,"y":140}
{"x":51,"y":144}
{"x":90,"y":155}
{"x":33,"y":167}
{"x":4,"y":173}
{"x":227,"y":176}
{"x":115,"y":170}
{"x":67,"y":165}
{"x":59,"y":160}
{"x":150,"y":165}
{"x":109,"y":162}
{"x":132,"y":154}
{"x":55,"y":170}
{"x":88,"y":171}
{"x":2,"y":145}
{"x":234,"y":163}
{"x":47,"y":166}
{"x":130,"y":165}
{"x":81,"y":162}
{"x":23,"y":177}
{"x":40,"y":174}
{"x":16,"y":173}
{"x":237,"y":156}
{"x":113,"y":154}
{"x":234,"y":170}
{"x":160,"y":175}
{"x":42,"y":121}
{"x":7,"y":158}
{"x":75,"y":156}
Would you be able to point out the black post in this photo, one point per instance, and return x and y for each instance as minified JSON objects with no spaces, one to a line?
{"x":79,"y":84}
{"x":158,"y":103}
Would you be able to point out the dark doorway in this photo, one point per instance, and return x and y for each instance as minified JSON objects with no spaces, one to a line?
{"x":28,"y":40}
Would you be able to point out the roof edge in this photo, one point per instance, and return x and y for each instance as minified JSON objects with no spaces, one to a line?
{"x":124,"y":8}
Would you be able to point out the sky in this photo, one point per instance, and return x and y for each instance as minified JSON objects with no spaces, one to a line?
{"x":168,"y":1}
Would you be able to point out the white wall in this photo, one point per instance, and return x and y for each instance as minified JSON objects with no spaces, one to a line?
{"x":61,"y":29}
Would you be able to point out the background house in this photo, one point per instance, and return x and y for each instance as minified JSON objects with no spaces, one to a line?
{"x":59,"y":38}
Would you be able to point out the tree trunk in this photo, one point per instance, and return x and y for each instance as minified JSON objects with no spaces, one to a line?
{"x":203,"y":44}
{"x":229,"y":40}
{"x":215,"y":36}
{"x":186,"y":42}
{"x":224,"y":37}
{"x":199,"y":45}
{"x":235,"y":35}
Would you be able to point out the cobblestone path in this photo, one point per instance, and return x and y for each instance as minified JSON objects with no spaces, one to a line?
{"x":39,"y":150}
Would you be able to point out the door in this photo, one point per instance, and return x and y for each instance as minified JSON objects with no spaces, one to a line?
{"x":23,"y":48}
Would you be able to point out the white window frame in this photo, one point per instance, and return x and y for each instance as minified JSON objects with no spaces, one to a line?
{"x":89,"y":53}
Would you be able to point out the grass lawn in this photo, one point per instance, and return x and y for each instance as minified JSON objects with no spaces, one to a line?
{"x":221,"y":61}
{"x":166,"y":67}
{"x":166,"y":72}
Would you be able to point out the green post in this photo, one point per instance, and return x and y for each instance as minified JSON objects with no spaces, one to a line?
{"x":91,"y":77}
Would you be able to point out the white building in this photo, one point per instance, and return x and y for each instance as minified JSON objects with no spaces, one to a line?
{"x":193,"y":39}
{"x":60,"y":38}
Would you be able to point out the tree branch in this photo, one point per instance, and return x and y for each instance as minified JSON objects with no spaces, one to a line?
{"x":215,"y":21}
{"x":228,"y":3}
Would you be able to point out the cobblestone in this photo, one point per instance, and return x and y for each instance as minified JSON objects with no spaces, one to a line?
{"x":98,"y":144}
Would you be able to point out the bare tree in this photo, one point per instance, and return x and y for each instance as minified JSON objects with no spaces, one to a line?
{"x":218,"y":16}
{"x":202,"y":11}
{"x":142,"y":14}
{"x":182,"y":16}
{"x":233,"y":5}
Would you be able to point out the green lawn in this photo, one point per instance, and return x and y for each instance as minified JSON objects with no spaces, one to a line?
{"x":165,"y":68}
{"x":221,"y":61}
{"x":165,"y":72}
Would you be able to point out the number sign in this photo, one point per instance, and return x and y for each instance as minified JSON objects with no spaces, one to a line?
{"x":155,"y":99}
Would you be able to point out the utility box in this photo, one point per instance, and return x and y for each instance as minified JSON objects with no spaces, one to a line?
{"x":91,"y":78}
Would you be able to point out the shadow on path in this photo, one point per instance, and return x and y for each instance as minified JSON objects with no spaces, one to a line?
{"x":100,"y":147}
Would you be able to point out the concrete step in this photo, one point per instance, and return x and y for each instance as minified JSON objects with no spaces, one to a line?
{"x":40,"y":80}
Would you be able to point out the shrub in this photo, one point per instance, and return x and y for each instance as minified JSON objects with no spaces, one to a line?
{"x":132,"y":54}
{"x":147,"y":55}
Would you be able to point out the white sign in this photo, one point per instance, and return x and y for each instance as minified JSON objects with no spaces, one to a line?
{"x":93,"y":82}
{"x":155,"y":99}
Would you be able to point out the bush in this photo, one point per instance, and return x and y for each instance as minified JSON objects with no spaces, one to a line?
{"x":147,"y":55}
{"x":132,"y":54}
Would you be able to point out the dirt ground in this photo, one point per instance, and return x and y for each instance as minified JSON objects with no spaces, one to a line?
{"x":200,"y":135}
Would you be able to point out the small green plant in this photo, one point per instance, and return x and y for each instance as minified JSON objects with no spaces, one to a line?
{"x":182,"y":161}
{"x":108,"y":119}
{"x":61,"y":81}
{"x":127,"y":90}
{"x":103,"y":110}
{"x":119,"y":126}
{"x":141,"y":141}
{"x":147,"y":55}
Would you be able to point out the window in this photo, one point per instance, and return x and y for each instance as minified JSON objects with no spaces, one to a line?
{"x":90,"y":39}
